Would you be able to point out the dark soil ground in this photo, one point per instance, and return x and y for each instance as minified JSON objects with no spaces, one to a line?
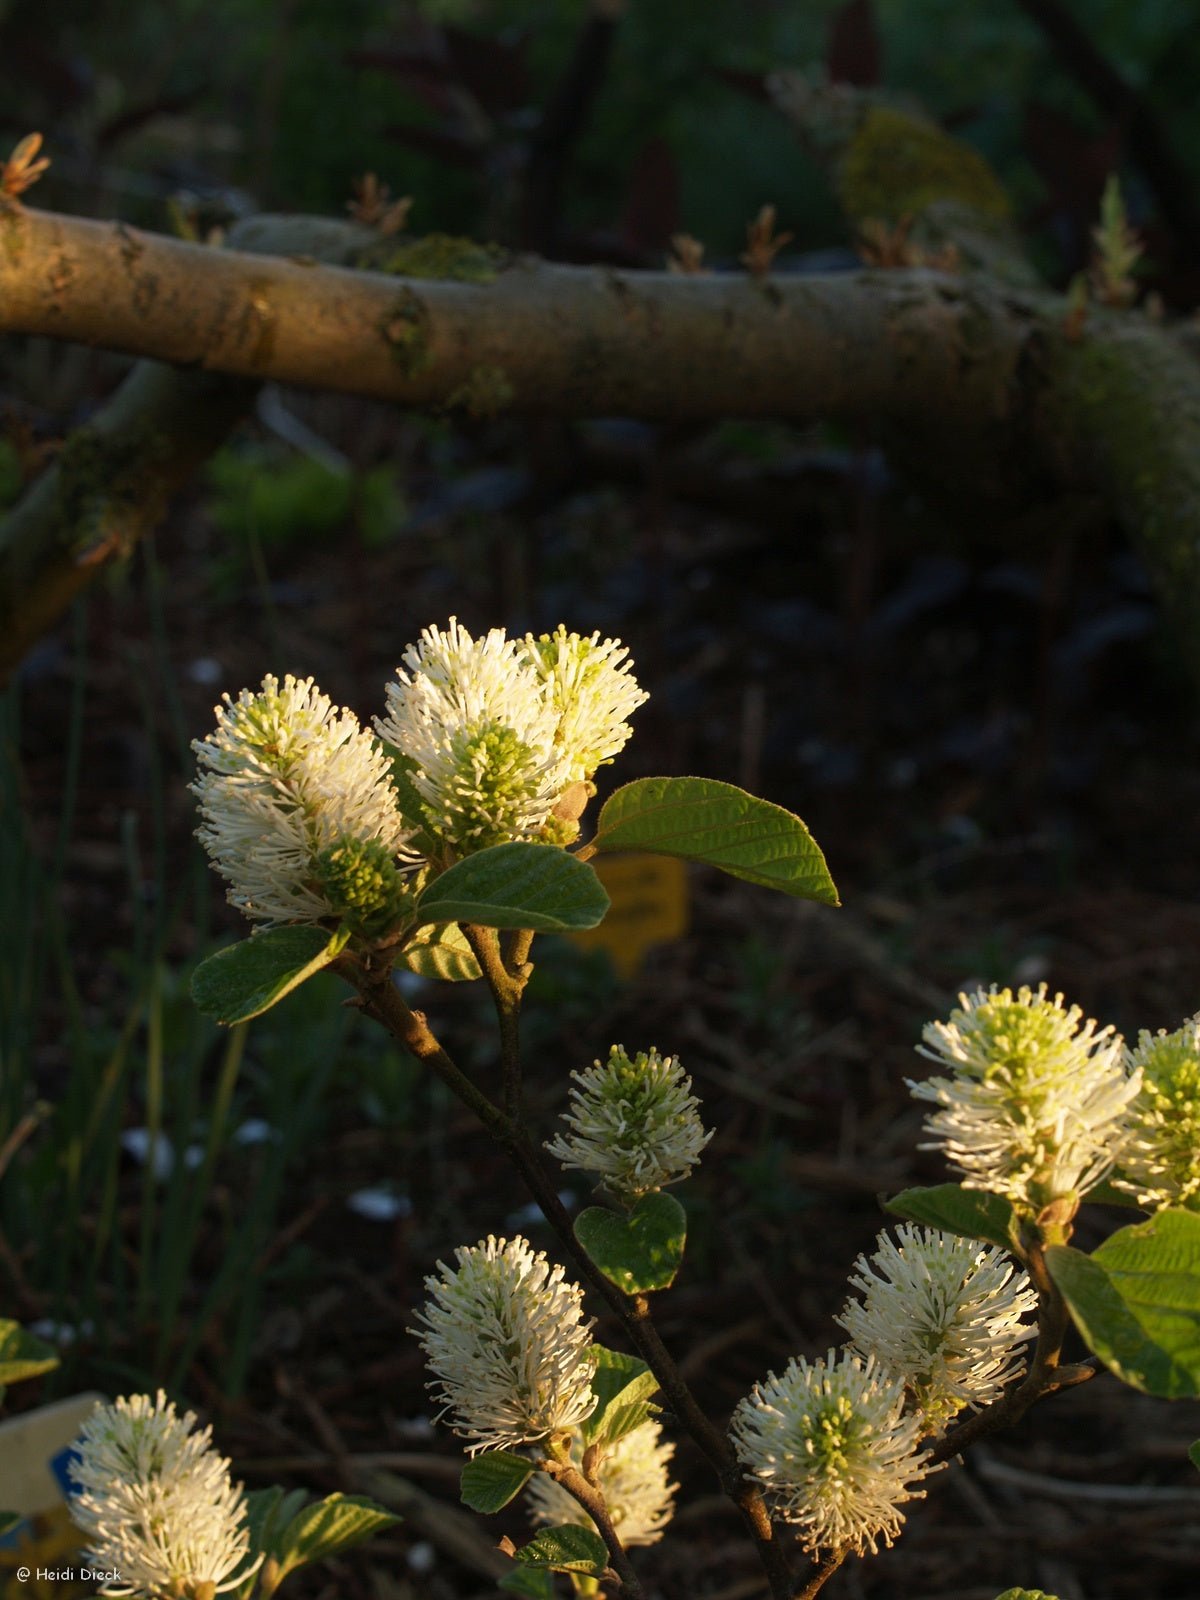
{"x":987,"y":732}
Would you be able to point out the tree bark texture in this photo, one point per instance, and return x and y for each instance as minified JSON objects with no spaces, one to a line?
{"x":974,"y":382}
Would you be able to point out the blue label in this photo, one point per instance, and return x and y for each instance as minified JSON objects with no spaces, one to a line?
{"x":59,"y":1465}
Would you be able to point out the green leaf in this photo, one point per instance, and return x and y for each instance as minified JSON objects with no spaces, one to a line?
{"x":1194,"y":1454}
{"x":326,"y":1528}
{"x":624,"y":1385}
{"x":412,"y":807}
{"x":490,"y":1481}
{"x":22,"y":1354}
{"x":247,"y":979}
{"x":1106,"y":1193}
{"x":440,"y":950}
{"x":566,"y":1549}
{"x":1136,"y":1301}
{"x":268,"y":1512}
{"x":971,"y":1213}
{"x":8,"y":1521}
{"x":639,"y":1252}
{"x":703,"y":820}
{"x":535,"y":1583}
{"x":535,"y":886}
{"x":1025,"y":1594}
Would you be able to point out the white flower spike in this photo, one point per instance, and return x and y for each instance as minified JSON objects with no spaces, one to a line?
{"x":593,"y":693}
{"x":1160,"y":1161}
{"x":1038,"y":1099}
{"x":833,"y":1451}
{"x":943,"y":1314}
{"x":156,"y":1503}
{"x":473,"y":718}
{"x":499,"y":731}
{"x":288,"y":783}
{"x":505,"y":1337}
{"x":633,"y":1476}
{"x":633,"y":1122}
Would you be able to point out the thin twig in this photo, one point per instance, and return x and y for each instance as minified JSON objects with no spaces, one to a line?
{"x":591,"y":1498}
{"x":813,"y":1585}
{"x":506,"y":991}
{"x":384,"y":1002}
{"x":1045,"y":1375}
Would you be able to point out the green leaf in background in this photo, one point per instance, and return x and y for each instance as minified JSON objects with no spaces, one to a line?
{"x":1107,"y":1194}
{"x":723,"y":826}
{"x":22,"y":1354}
{"x":535,"y":1583}
{"x":1194,"y":1454}
{"x":1025,"y":1594}
{"x":326,"y":1528}
{"x":490,"y":1481}
{"x":247,"y":979}
{"x":566,"y":1549}
{"x":971,"y":1213}
{"x":412,"y":807}
{"x":639,"y":1252}
{"x":440,"y":950}
{"x":8,"y":1521}
{"x":1136,"y":1301}
{"x":624,"y":1385}
{"x":268,"y":1512}
{"x":518,"y":885}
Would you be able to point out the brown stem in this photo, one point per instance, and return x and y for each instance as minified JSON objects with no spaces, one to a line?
{"x":1045,"y":1375}
{"x":506,"y":993}
{"x":384,"y":1002}
{"x":821,"y":1576}
{"x":593,"y":1502}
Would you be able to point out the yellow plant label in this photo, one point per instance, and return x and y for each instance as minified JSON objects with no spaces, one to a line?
{"x":649,"y":897}
{"x":39,"y":1557}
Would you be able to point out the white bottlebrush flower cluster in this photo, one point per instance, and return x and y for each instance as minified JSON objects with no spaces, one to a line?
{"x":505,"y":1337}
{"x":633,"y":1122}
{"x":156,"y":1503}
{"x":299,"y":809}
{"x":833,"y":1450}
{"x":634,"y":1477}
{"x":1038,"y":1099}
{"x":942,"y":1314}
{"x":593,"y":692}
{"x":1160,"y":1160}
{"x":498,"y":729}
{"x":285,"y":780}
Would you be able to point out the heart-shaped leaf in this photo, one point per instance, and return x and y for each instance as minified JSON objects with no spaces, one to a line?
{"x":623,"y":1385}
{"x":1136,"y":1301}
{"x":971,"y":1213}
{"x":247,"y":979}
{"x":327,"y":1527}
{"x":701,"y":819}
{"x":519,"y":885}
{"x":638,"y":1252}
{"x":490,"y":1481}
{"x":567,"y":1549}
{"x":440,"y":950}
